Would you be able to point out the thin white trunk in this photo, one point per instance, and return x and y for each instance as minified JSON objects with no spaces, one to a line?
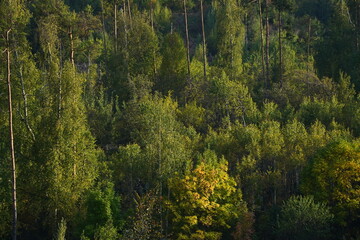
{"x":11,"y":132}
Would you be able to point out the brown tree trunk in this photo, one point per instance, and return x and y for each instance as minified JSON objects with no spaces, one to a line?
{"x":11,"y":132}
{"x":262,"y":42}
{"x":203,"y":37}
{"x":187,"y":40}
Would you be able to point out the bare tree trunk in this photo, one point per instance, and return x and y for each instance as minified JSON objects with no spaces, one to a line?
{"x":60,"y":94}
{"x":203,"y":36}
{"x":357,"y":14}
{"x":103,"y":23}
{"x":160,"y":170}
{"x":308,"y":44}
{"x":267,"y":54}
{"x":12,"y":150}
{"x":24,"y":95}
{"x":115,"y":26}
{"x":167,"y":215}
{"x":262,"y":42}
{"x":71,"y":47}
{"x":152,"y":16}
{"x":187,"y":40}
{"x":280,"y":53}
{"x":126,"y":41}
{"x":129,"y":9}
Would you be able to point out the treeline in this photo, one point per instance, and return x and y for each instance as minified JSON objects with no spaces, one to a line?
{"x":179,"y":119}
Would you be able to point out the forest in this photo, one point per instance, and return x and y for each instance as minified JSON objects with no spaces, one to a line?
{"x":179,"y":119}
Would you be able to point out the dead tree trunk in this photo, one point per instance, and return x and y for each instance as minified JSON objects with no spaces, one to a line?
{"x":11,"y":132}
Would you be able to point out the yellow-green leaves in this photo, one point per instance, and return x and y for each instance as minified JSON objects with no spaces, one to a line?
{"x":205,"y":201}
{"x":333,"y":176}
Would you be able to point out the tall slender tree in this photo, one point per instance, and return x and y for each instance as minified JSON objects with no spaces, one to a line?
{"x":203,"y":37}
{"x":14,"y":18}
{"x":11,"y":134}
{"x":267,"y":44}
{"x":262,"y":41}
{"x":187,"y":40}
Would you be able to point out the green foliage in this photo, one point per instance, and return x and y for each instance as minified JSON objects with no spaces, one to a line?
{"x":142,"y":48}
{"x":324,"y":111}
{"x":106,"y":232}
{"x":332,"y":177}
{"x":144,"y":223}
{"x":162,"y":17}
{"x":91,"y":75}
{"x":205,"y":201}
{"x":227,"y":98}
{"x":283,"y":5}
{"x":298,"y":85}
{"x":173,"y":65}
{"x":164,"y":141}
{"x":302,"y":218}
{"x":61,"y":230}
{"x":193,"y":115}
{"x":102,"y":208}
{"x":229,"y":34}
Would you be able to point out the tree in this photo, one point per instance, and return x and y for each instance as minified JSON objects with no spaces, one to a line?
{"x":267,"y":43}
{"x":164,"y":141}
{"x":227,"y":98}
{"x":61,"y":231}
{"x":296,"y":140}
{"x":332,"y":177}
{"x":230,"y":38}
{"x":64,"y":153}
{"x":282,"y":5}
{"x":203,"y":36}
{"x":173,"y":65}
{"x":303,"y":218}
{"x":12,"y":150}
{"x":144,"y":224}
{"x":261,"y":26}
{"x":142,"y":47}
{"x":13,"y":21}
{"x":102,"y":213}
{"x":187,"y":41}
{"x":205,"y":202}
